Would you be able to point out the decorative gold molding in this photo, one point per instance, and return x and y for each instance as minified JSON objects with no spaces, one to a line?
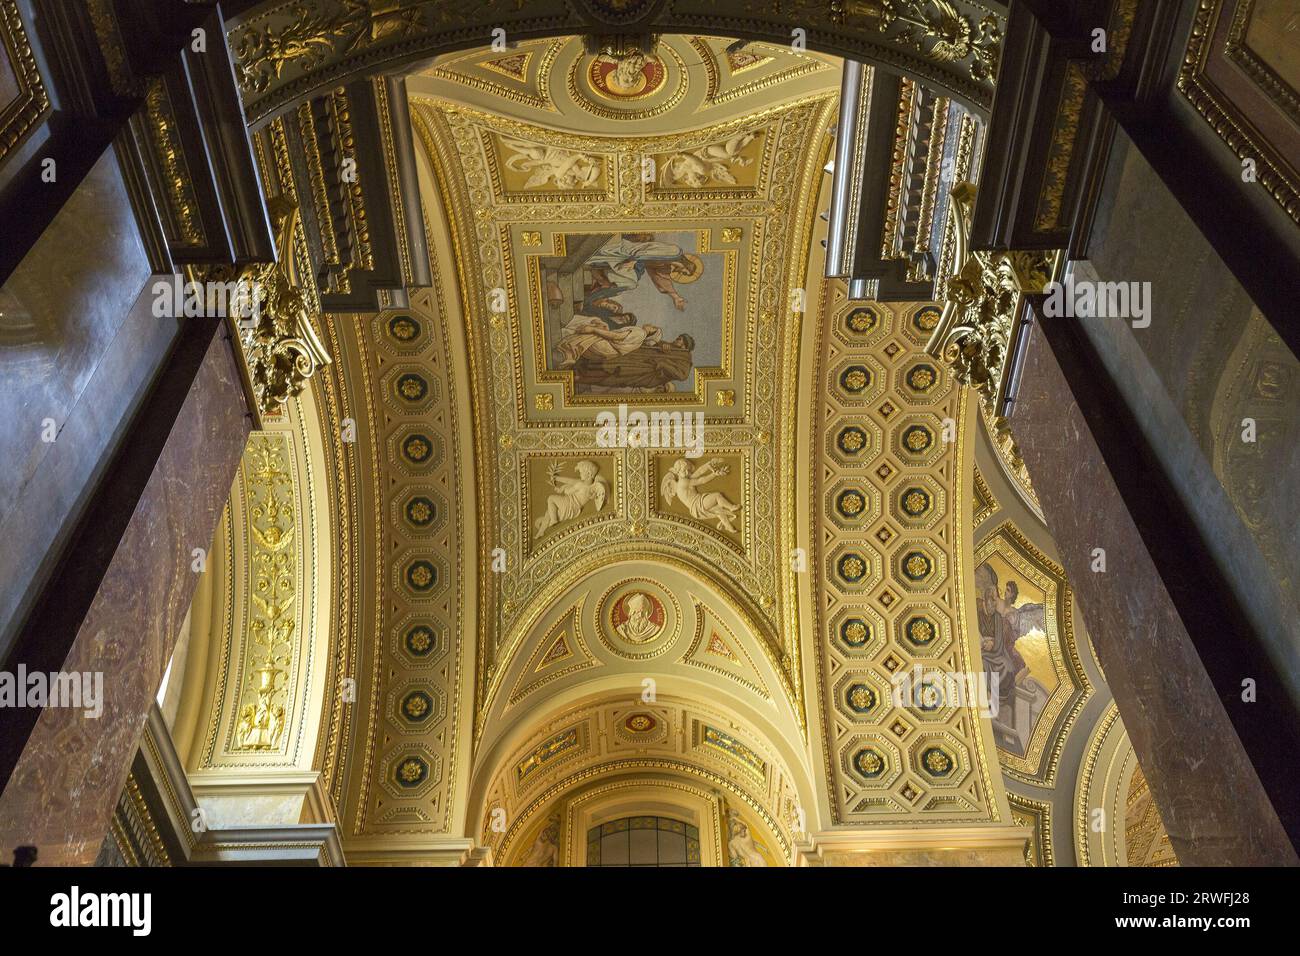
{"x":1084,"y":786}
{"x":181,"y":203}
{"x":32,"y":102}
{"x":280,"y":347}
{"x":1237,"y":51}
{"x":985,"y":501}
{"x":109,"y":37}
{"x":1274,"y":172}
{"x":1037,"y":815}
{"x":290,"y":48}
{"x":134,"y":830}
{"x":270,"y":648}
{"x":1065,"y":135}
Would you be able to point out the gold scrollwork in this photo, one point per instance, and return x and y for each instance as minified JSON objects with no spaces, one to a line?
{"x":171,"y":157}
{"x":281,"y":348}
{"x":935,"y":29}
{"x":272,"y":625}
{"x":312,"y":36}
{"x":983,"y":307}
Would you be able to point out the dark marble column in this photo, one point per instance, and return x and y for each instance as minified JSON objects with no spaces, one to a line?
{"x":1211,"y":799}
{"x":63,"y":790}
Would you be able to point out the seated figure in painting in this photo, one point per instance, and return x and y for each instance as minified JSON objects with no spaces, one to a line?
{"x":1020,"y":698}
{"x":591,"y":338}
{"x":653,"y":366}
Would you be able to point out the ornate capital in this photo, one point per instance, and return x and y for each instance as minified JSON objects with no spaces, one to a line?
{"x":280,"y":346}
{"x":983,"y":307}
{"x":983,"y":312}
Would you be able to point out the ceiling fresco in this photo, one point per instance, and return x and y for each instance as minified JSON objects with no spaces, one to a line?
{"x":638,"y":518}
{"x":650,"y":243}
{"x":681,"y":310}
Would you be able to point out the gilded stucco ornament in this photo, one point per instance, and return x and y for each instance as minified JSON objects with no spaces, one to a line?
{"x":272,"y":627}
{"x":935,"y":29}
{"x":287,"y":48}
{"x":281,"y":349}
{"x":984,"y":305}
{"x":312,"y":35}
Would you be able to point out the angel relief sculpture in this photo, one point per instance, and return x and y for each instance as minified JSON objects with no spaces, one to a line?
{"x":683,"y":482}
{"x":696,"y":168}
{"x":743,"y":849}
{"x":547,"y":165}
{"x":573,"y":494}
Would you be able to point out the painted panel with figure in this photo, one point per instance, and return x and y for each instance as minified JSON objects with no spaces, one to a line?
{"x":633,"y":313}
{"x":1036,"y":683}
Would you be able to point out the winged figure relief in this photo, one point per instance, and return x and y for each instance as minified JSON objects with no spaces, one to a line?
{"x":697,"y":167}
{"x":682,"y":482}
{"x":564,"y":168}
{"x":573,"y":495}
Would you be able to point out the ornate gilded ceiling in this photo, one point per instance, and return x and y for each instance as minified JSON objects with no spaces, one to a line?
{"x":634,"y":510}
{"x":777,"y":556}
{"x":715,"y":211}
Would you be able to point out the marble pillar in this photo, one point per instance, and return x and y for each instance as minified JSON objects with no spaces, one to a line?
{"x":1211,"y":799}
{"x":63,"y":790}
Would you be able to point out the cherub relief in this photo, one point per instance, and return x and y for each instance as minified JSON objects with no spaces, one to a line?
{"x":574,"y":494}
{"x":694,"y":169}
{"x":547,"y":164}
{"x":741,"y":843}
{"x":683,"y":482}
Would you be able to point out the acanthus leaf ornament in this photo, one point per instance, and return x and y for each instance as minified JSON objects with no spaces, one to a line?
{"x":281,"y":348}
{"x":311,"y":37}
{"x":983,"y":305}
{"x":273,"y":570}
{"x":980,"y":329}
{"x":936,"y":29}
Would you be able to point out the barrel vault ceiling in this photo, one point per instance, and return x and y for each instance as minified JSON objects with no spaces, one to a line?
{"x":525,"y":609}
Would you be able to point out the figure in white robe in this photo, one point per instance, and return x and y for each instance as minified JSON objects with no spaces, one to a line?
{"x":574,"y":495}
{"x":591,"y":336}
{"x":683,"y":483}
{"x":621,"y":262}
{"x":740,"y":841}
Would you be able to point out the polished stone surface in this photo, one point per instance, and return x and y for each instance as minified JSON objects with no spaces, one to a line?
{"x":1210,"y":797}
{"x":63,"y":791}
{"x":79,"y":346}
{"x":1214,"y":361}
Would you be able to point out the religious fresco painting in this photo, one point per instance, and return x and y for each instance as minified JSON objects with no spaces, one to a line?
{"x":1014,"y":645}
{"x":635,"y":312}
